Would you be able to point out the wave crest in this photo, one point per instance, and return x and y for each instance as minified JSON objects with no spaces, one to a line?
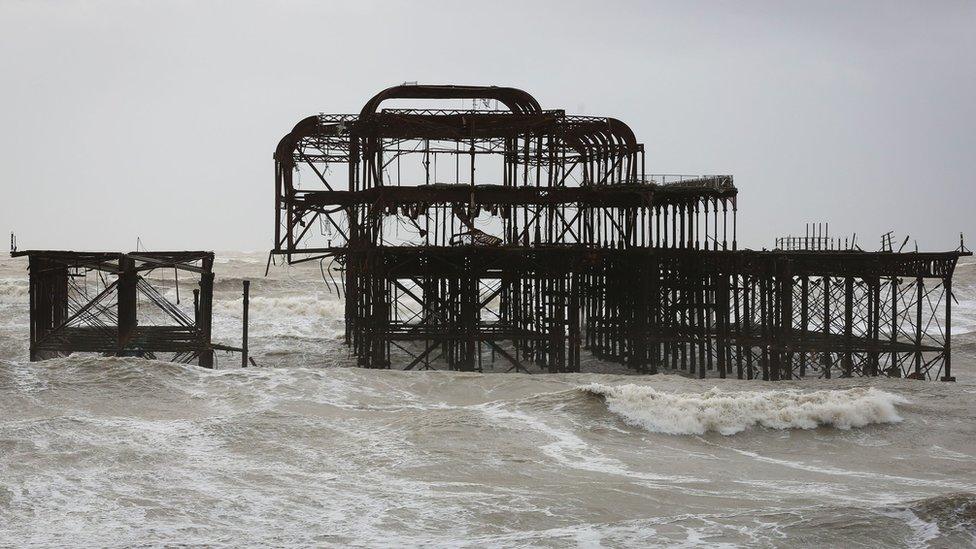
{"x":730,"y":412}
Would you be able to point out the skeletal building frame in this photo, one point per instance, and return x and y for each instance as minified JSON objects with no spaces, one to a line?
{"x":478,"y":222}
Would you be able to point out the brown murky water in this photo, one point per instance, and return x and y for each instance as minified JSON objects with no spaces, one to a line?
{"x":121,"y":452}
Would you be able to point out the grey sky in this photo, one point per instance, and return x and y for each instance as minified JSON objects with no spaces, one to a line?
{"x":158,"y":119}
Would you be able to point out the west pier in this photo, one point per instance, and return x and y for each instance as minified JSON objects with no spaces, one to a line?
{"x":473,"y":222}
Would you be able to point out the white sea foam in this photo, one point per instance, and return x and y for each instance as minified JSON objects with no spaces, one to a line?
{"x":284,"y":316}
{"x":729,"y":412}
{"x":570,"y":450}
{"x":286,"y":306}
{"x":922,"y":532}
{"x":13,"y":290}
{"x":964,"y":313}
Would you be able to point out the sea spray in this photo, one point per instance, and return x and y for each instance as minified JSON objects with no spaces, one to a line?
{"x":730,"y":412}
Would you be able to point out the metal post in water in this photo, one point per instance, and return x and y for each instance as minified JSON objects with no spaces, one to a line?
{"x":947,"y":283}
{"x":247,"y":291}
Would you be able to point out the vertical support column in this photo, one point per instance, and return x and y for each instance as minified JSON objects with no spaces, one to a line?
{"x":748,"y":312}
{"x":825,"y":358}
{"x":687,"y":336}
{"x":848,"y":325}
{"x":919,"y":290}
{"x":700,"y":290}
{"x":287,"y":189}
{"x":352,"y":295}
{"x":765,"y":321}
{"x":894,"y":368}
{"x":48,"y":302}
{"x":36,"y":300}
{"x":558,"y":322}
{"x":804,"y":321}
{"x":947,"y":350}
{"x":636,"y":307}
{"x":786,"y":342}
{"x":874,"y":314}
{"x":682,"y":243}
{"x":574,"y":322}
{"x":735,"y":211}
{"x":696,"y":288}
{"x":379,"y":315}
{"x":708,"y":340}
{"x":128,"y":281}
{"x":196,"y":305}
{"x":205,"y":320}
{"x":722,"y":319}
{"x":279,"y":198}
{"x":468,"y":298}
{"x":738,"y":284}
{"x":653,"y":275}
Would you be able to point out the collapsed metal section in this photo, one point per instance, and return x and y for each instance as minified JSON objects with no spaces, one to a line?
{"x":106,"y":303}
{"x":530,"y":234}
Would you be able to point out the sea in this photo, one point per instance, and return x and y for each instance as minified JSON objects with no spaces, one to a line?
{"x":305,"y":450}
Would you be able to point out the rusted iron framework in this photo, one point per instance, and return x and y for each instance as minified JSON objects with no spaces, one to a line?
{"x":477,"y":223}
{"x":105,"y":303}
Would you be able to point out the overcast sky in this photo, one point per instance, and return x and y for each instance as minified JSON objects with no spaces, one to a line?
{"x":158,"y":119}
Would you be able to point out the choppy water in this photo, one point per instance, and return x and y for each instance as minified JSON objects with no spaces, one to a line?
{"x":121,"y":452}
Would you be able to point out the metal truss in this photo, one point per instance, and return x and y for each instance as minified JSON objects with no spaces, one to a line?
{"x":463,"y":235}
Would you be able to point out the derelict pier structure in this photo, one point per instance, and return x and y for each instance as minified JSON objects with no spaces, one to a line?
{"x":469,"y":223}
{"x":89,"y":302}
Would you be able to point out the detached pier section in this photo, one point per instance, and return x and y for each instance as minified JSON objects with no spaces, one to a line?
{"x":105,"y":303}
{"x":481,"y":226}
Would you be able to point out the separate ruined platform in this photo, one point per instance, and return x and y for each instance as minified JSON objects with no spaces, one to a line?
{"x":531,"y":234}
{"x":89,"y":302}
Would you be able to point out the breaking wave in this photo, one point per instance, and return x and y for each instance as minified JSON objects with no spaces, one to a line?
{"x":730,"y":412}
{"x":950,"y":518}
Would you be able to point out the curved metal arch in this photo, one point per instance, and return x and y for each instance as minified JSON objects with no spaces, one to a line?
{"x":604,"y":132}
{"x":599,"y":135}
{"x":286,"y":146}
{"x":516,"y":100}
{"x":307,"y":127}
{"x":622,"y":131}
{"x":603,"y":139}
